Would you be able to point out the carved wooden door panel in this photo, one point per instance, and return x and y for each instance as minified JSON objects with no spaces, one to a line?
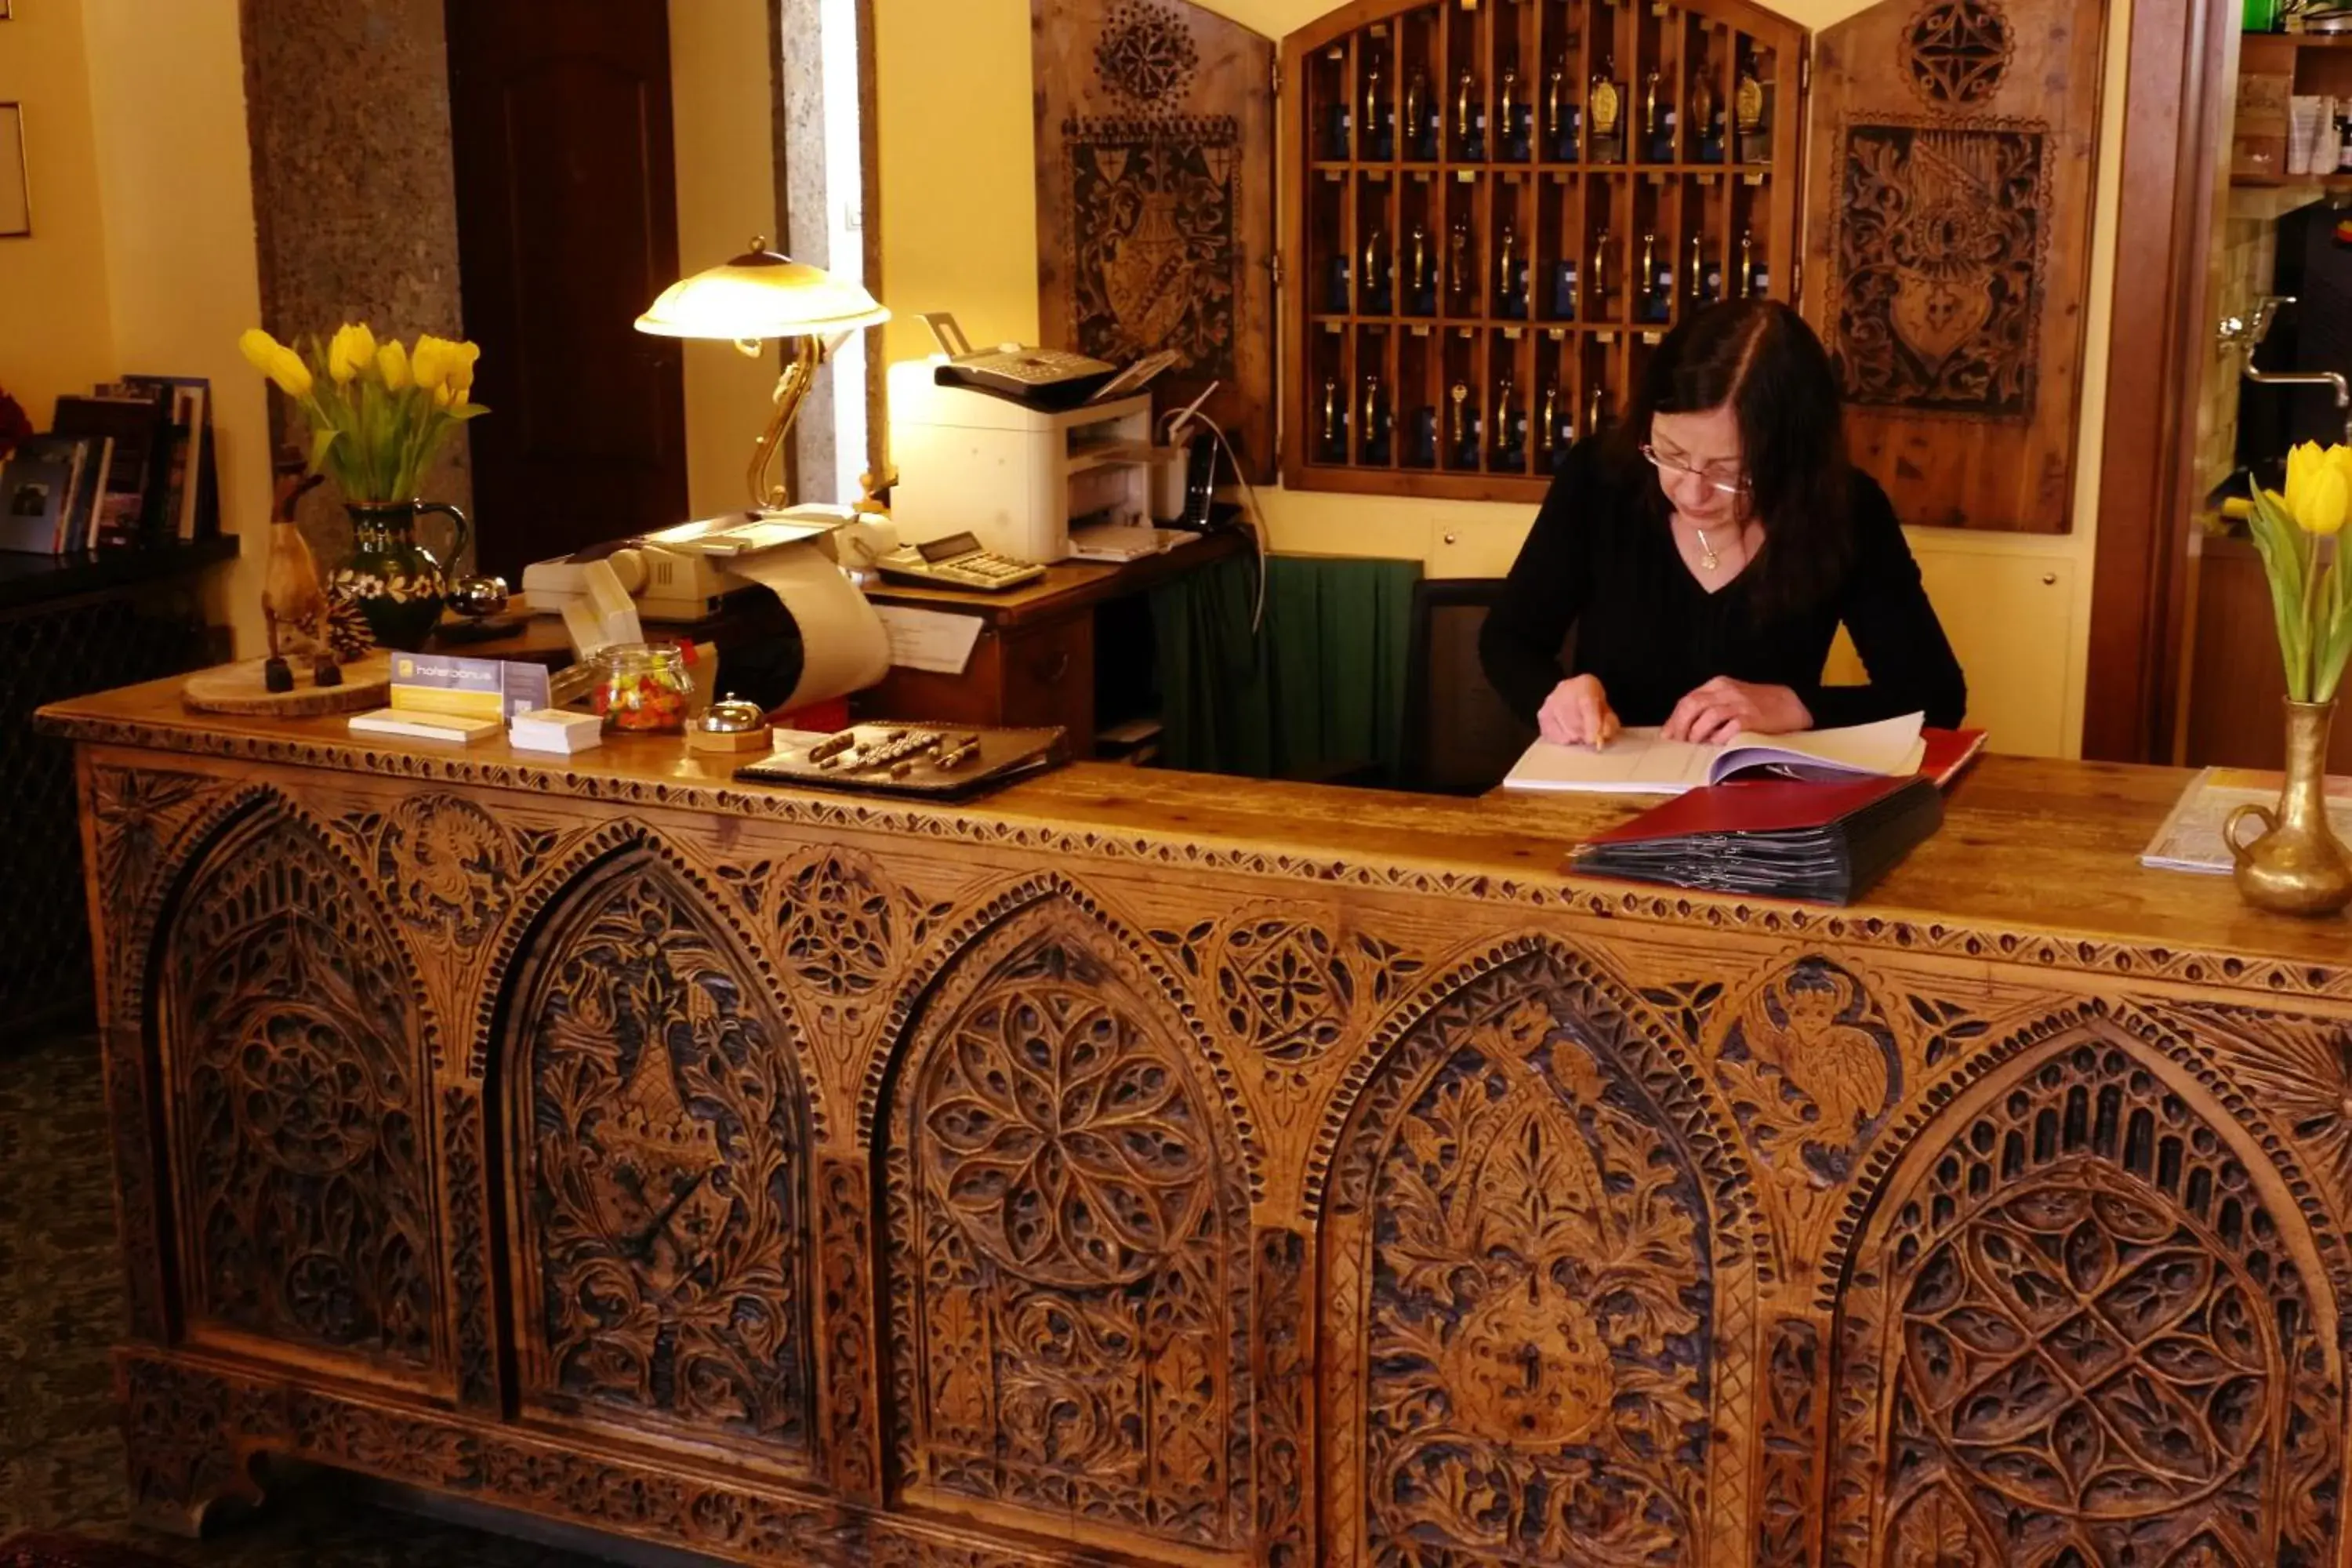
{"x":1069,"y":1250}
{"x":1155,"y":201}
{"x":2083,"y":1332}
{"x":1947,"y":243}
{"x":1533,"y":1310}
{"x":658,"y":1123}
{"x":294,"y":1054}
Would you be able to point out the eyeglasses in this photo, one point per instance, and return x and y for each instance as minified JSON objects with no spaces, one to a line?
{"x":1737,"y":487}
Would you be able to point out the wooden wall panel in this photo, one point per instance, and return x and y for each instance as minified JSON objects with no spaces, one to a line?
{"x":1155,"y":200}
{"x":1952,"y":166}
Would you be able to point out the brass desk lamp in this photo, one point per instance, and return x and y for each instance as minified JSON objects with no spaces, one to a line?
{"x":749,"y":299}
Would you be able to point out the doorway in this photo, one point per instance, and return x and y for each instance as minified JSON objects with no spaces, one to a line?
{"x":567,"y":228}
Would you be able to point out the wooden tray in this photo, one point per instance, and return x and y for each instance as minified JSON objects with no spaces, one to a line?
{"x":238,"y":688}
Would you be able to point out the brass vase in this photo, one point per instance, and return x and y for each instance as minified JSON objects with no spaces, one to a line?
{"x":2296,"y":867}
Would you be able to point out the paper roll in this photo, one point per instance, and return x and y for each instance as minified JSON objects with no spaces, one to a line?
{"x":843,"y":645}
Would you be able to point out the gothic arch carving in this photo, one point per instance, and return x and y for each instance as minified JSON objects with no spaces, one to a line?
{"x":2084,"y":1327}
{"x":658,"y":1129}
{"x":1068,"y":1238}
{"x":1503,"y":1378}
{"x":532,"y":906}
{"x":296,"y":1051}
{"x":152,"y":829}
{"x":947,"y":949}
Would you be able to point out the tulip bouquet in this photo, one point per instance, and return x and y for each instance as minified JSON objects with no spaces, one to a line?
{"x":378,"y":412}
{"x":2311,"y":598}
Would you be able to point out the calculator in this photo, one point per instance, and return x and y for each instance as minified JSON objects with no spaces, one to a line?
{"x":957,"y":561}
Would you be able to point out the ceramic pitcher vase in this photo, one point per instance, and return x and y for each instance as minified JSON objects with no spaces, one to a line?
{"x":2295,"y":866}
{"x":396,"y":581}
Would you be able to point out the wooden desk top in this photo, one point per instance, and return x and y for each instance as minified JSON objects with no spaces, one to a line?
{"x":2038,"y":859}
{"x":1069,"y":586}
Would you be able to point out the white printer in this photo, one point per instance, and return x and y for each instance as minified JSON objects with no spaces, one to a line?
{"x":987,"y":461}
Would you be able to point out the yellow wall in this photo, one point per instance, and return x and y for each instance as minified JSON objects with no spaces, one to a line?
{"x":720,"y":113}
{"x":55,"y":332}
{"x":143,"y":256}
{"x":958,"y":232}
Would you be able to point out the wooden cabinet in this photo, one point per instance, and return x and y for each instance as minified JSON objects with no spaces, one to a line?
{"x":1035,"y":660}
{"x":1148,"y":1169}
{"x":1496,"y":209}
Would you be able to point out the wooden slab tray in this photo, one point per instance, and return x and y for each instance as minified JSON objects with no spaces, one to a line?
{"x":238,"y":688}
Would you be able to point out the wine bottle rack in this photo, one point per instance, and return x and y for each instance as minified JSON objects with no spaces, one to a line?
{"x":1479,"y":256}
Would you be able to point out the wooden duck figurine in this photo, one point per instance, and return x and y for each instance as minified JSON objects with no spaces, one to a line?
{"x":291,"y":596}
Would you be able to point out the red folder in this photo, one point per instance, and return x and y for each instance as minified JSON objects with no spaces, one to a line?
{"x":1764,"y":806}
{"x":1948,"y":752}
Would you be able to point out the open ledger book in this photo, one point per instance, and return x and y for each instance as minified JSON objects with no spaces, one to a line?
{"x":1641,"y":761}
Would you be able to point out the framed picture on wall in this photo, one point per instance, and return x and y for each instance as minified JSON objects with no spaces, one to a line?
{"x":16,"y":187}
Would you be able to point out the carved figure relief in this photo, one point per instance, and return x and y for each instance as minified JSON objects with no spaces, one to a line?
{"x":2095,"y":1341}
{"x":1070,"y":1244}
{"x":1939,"y":254}
{"x":1956,"y":52}
{"x":1810,"y":1068}
{"x":1539,"y":1314}
{"x":295,"y":1056}
{"x":662,"y":1167}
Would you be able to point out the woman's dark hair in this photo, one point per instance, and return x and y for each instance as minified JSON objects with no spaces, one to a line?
{"x":1758,"y":358}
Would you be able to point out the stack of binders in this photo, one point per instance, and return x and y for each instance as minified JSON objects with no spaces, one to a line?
{"x":1823,"y":842}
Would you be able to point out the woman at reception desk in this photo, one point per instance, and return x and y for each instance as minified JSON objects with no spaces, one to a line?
{"x":1145,"y":1168}
{"x":1705,"y":553}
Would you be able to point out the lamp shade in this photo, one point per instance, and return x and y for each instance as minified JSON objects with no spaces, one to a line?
{"x":760,"y":294}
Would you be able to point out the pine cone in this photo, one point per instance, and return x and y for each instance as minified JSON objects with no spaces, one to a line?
{"x":348,"y":636}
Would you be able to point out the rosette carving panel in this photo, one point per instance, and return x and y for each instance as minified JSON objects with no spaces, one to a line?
{"x":2095,"y":1341}
{"x":1069,"y":1241}
{"x":661,"y":1164}
{"x":1540,"y":1322}
{"x":295,"y":1056}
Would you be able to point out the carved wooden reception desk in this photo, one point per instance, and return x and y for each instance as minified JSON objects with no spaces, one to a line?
{"x":1161,"y":1169}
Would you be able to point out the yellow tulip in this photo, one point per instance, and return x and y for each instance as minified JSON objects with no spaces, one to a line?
{"x":276,"y":361}
{"x":391,"y":364}
{"x":2318,"y":487}
{"x":461,"y":367}
{"x":352,"y":351}
{"x":429,"y":361}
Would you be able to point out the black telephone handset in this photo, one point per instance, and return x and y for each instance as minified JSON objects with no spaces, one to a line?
{"x":1199,"y":483}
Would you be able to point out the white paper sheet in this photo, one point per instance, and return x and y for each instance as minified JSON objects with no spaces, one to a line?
{"x":930,"y":639}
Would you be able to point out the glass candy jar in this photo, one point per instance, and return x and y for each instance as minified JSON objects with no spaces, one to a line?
{"x":645,"y":687}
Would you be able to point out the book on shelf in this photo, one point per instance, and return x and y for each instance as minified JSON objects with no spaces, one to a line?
{"x":1642,"y":760}
{"x":131,"y":500}
{"x":40,"y":528}
{"x":34,"y":496}
{"x":192,"y":505}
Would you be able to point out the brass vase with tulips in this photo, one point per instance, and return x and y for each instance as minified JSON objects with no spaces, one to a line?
{"x":2296,"y":865}
{"x":378,"y":414}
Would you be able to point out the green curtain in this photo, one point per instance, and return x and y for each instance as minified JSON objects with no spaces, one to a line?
{"x":1318,"y":694}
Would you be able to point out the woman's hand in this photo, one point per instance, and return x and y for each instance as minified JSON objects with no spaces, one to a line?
{"x":1723,"y":707}
{"x":1577,"y":713}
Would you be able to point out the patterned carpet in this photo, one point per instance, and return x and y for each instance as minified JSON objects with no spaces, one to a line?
{"x":61,"y":1463}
